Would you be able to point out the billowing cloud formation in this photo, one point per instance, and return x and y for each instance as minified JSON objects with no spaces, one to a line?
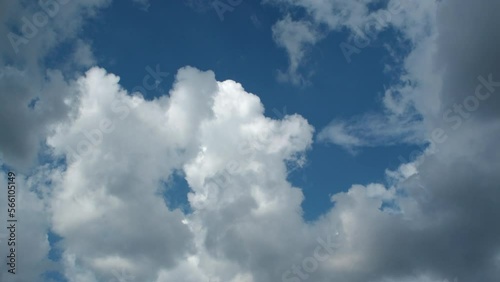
{"x":108,"y":154}
{"x":104,"y":191}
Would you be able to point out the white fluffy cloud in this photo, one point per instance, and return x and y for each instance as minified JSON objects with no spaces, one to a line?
{"x":216,"y":134}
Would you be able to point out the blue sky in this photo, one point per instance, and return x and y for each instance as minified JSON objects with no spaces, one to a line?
{"x":275,"y":140}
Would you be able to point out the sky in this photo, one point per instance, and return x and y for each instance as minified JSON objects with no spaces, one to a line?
{"x":249,"y":141}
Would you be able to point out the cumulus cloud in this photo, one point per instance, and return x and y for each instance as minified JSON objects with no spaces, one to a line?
{"x":102,"y":192}
{"x":179,"y":132}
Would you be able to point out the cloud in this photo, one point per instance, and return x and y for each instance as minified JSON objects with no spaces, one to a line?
{"x":337,"y":134}
{"x":103,"y":192}
{"x":294,"y":37}
{"x":83,"y":55}
{"x":47,"y":99}
{"x":179,"y":132}
{"x":372,"y":130}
